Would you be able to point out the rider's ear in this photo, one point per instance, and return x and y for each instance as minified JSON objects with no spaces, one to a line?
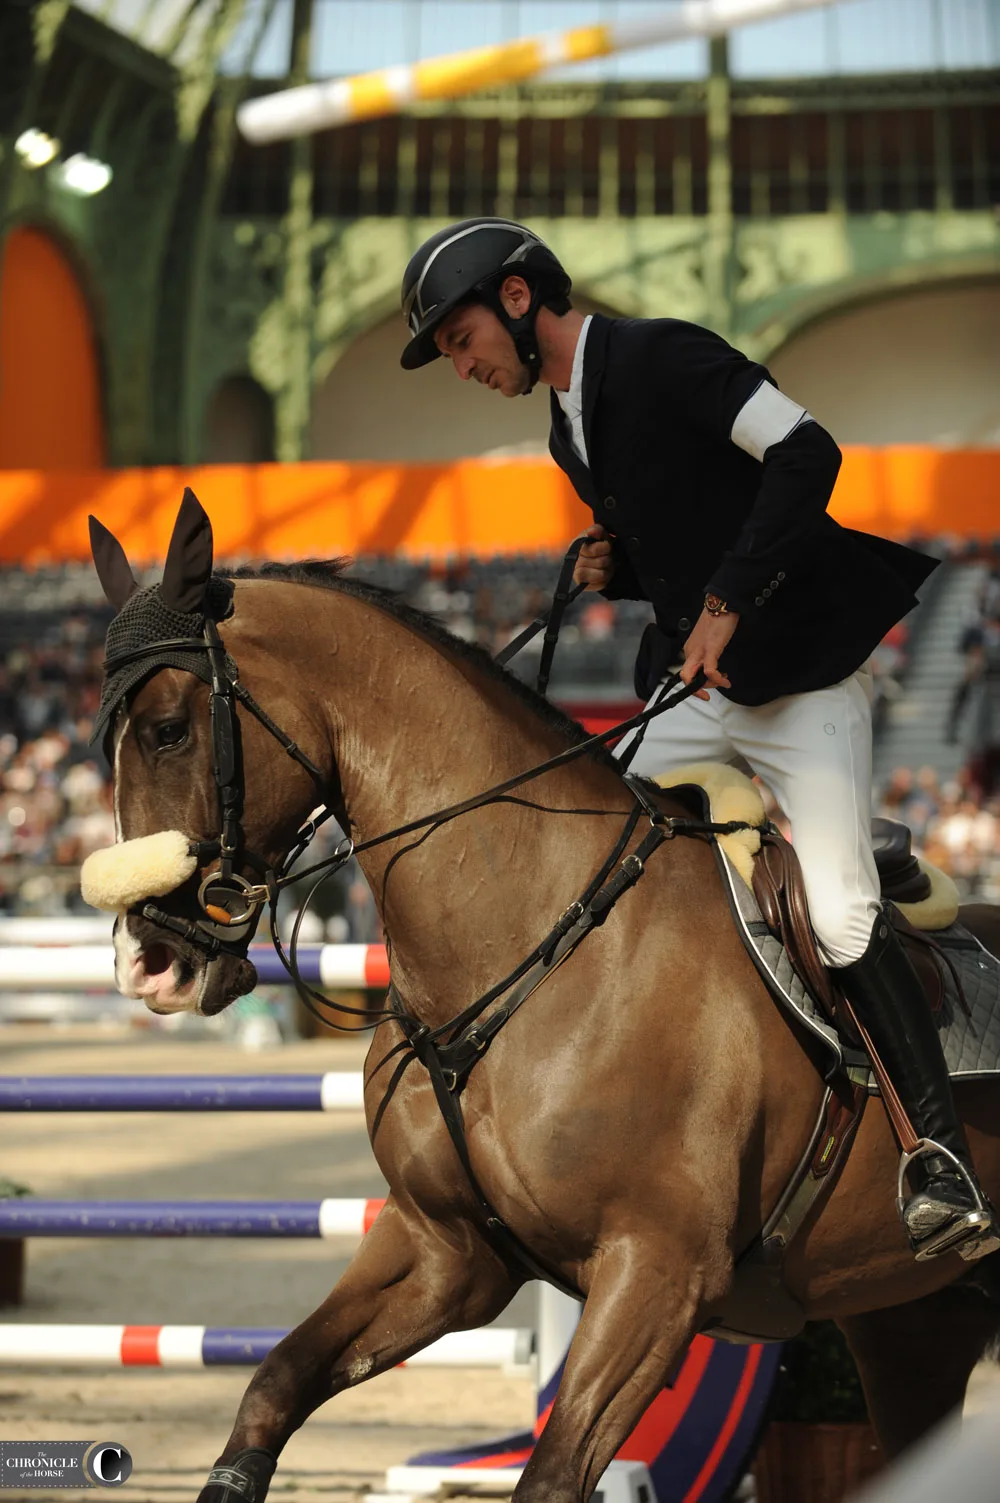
{"x":113,"y":569}
{"x":515,"y":295}
{"x":188,"y":568}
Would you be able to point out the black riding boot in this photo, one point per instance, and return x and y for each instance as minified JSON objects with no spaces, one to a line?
{"x":948,"y":1210}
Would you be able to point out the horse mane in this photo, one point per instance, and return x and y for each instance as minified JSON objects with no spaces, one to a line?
{"x":328,"y":574}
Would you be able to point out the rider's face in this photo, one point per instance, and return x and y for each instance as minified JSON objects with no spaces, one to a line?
{"x":480,"y":349}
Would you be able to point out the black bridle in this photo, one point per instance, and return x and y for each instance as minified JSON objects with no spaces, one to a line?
{"x":231,"y":905}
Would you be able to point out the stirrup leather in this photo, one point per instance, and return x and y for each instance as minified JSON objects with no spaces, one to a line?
{"x":968,"y":1233}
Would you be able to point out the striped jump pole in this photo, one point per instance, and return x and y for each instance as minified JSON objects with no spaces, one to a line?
{"x":23,"y":1216}
{"x":318,"y":106}
{"x":76,"y":968}
{"x":335,"y":1091}
{"x":691,"y":1446}
{"x":219,"y":1346}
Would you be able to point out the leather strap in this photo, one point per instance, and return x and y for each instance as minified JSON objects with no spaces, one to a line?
{"x":551,"y":619}
{"x":901,"y":1123}
{"x":449,"y":1064}
{"x":451,"y":1111}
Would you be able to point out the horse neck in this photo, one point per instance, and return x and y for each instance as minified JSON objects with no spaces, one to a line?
{"x":415,"y":728}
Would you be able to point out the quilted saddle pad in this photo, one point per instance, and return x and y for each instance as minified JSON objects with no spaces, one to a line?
{"x":971,"y":1044}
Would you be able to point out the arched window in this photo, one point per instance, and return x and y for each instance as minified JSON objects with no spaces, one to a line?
{"x":922,"y":367}
{"x":368,"y":408}
{"x":50,"y":388}
{"x":239,"y":423}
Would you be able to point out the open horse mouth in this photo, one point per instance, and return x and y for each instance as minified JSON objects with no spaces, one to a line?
{"x":175,"y":976}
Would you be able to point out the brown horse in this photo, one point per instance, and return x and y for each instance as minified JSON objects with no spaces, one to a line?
{"x":636,"y":1120}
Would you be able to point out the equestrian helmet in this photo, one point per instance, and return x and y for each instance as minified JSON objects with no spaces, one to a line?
{"x":468,"y":261}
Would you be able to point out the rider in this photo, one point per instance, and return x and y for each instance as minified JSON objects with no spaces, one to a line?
{"x":709,"y":490}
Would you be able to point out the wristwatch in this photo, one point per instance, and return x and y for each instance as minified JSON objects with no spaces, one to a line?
{"x":716,"y":607}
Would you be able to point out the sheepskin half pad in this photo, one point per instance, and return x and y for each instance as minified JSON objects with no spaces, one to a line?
{"x":731,"y":795}
{"x":121,"y":876}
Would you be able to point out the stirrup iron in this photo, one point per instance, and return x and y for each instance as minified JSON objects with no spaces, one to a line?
{"x":966,"y":1231}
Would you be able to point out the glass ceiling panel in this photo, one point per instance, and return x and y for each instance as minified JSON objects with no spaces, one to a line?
{"x":850,"y":37}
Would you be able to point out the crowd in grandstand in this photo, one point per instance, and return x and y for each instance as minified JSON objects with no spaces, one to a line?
{"x":54,"y":786}
{"x":979,"y":646}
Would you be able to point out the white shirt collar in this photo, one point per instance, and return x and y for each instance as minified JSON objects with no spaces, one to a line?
{"x":571,"y":401}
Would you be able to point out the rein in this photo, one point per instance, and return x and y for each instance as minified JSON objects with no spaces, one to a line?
{"x":231,"y":905}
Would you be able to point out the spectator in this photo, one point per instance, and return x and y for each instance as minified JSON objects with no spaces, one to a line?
{"x":54,"y":797}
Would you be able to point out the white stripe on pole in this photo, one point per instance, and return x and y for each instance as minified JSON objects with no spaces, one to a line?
{"x":341,"y":1090}
{"x":342,"y":1218}
{"x":50,"y":1345}
{"x":66,"y":968}
{"x":72,"y":929}
{"x":342,"y":965}
{"x":180,"y":1346}
{"x":312,"y":107}
{"x":491,"y":1347}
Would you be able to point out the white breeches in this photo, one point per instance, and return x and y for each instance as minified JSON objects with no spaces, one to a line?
{"x":814,"y":752}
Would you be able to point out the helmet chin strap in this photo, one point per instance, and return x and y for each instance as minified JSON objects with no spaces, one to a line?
{"x":522,"y":331}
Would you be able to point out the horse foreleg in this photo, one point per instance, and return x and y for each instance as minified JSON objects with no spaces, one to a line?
{"x":914,"y":1360}
{"x":411,"y":1281}
{"x":643,"y":1307}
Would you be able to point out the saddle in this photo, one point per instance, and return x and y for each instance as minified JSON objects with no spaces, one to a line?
{"x":780,"y":893}
{"x":759,"y":1306}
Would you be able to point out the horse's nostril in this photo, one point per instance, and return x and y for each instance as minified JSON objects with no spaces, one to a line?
{"x":157,"y":959}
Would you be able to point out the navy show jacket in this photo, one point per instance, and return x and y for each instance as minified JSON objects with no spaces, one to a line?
{"x":690,"y":512}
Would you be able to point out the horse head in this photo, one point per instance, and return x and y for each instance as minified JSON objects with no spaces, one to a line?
{"x":186,"y":876}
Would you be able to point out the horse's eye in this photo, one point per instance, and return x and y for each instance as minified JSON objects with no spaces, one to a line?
{"x":171,"y":733}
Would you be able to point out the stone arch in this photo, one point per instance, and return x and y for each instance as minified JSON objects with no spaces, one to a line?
{"x":367,"y":407}
{"x":51,"y":387}
{"x":919,"y":365}
{"x":239,"y":423}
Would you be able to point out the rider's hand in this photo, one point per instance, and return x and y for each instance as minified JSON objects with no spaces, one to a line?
{"x":704,"y":647}
{"x":596,"y":563}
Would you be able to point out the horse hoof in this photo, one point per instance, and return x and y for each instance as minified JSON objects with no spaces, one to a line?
{"x":244,"y":1478}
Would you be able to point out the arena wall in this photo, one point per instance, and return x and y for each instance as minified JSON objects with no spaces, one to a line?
{"x":470,"y":507}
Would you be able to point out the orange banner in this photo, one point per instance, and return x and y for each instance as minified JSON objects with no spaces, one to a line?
{"x":435,"y":511}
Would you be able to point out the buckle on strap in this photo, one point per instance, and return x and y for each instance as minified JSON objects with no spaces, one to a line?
{"x":572,"y":915}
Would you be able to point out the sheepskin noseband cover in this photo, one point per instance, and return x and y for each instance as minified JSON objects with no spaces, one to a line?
{"x":149,"y":867}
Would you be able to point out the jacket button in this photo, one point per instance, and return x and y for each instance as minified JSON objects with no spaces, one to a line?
{"x":774,"y":584}
{"x":759,"y":600}
{"x":765,"y":592}
{"x":780,"y":575}
{"x":684,"y":624}
{"x":610,"y":503}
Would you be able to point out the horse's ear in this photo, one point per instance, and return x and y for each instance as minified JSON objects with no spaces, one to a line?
{"x":113,"y":568}
{"x":188,"y":568}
